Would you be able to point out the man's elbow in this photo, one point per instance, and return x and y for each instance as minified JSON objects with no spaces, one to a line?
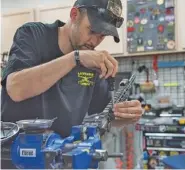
{"x":13,"y":89}
{"x":14,"y":94}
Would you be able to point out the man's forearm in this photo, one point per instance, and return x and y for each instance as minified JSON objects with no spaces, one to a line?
{"x":33,"y":81}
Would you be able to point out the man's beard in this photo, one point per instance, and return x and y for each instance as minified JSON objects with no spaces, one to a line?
{"x":75,"y":45}
{"x":81,"y":47}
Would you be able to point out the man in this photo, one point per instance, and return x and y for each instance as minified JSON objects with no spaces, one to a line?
{"x":52,"y":69}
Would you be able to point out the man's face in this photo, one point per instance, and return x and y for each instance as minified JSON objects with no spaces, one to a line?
{"x":81,"y":36}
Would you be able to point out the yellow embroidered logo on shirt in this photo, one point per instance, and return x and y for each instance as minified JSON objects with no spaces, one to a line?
{"x":85,"y":78}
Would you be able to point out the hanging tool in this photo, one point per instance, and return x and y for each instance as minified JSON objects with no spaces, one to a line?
{"x":147,"y":86}
{"x":171,"y":84}
{"x":171,"y":64}
{"x":155,"y":73}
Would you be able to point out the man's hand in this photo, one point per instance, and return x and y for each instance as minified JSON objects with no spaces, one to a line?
{"x":101,"y":60}
{"x":127,"y":112}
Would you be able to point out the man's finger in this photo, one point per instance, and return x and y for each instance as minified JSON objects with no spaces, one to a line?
{"x":126,"y":115}
{"x":130,"y":110}
{"x":113,"y":61}
{"x":125,"y":104}
{"x":103,"y":70}
{"x":115,"y":64}
{"x":110,"y":68}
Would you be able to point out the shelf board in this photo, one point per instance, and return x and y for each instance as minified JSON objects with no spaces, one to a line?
{"x":147,"y":53}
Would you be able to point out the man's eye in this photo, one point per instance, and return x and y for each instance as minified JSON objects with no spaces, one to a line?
{"x":92,"y":32}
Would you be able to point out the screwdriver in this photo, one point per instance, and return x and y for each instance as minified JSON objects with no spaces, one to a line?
{"x":111,"y":85}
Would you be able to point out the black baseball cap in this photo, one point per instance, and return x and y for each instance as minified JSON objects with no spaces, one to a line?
{"x":104,"y":15}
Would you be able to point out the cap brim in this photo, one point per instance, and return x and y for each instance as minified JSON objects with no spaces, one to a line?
{"x":100,"y":26}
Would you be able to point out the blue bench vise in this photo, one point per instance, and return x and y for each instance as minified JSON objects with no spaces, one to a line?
{"x":44,"y":149}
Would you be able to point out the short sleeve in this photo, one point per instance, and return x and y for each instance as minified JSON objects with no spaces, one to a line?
{"x":23,"y":53}
{"x":101,"y":97}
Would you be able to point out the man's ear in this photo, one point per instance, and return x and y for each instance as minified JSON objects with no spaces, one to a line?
{"x":74,"y":14}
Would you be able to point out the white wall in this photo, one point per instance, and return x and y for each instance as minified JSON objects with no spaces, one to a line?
{"x":8,"y":5}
